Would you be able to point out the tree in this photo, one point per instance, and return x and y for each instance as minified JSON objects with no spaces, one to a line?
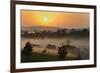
{"x":62,"y":52}
{"x":27,"y":49}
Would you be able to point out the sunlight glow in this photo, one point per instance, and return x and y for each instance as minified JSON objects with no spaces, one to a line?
{"x":54,"y":19}
{"x":45,"y":18}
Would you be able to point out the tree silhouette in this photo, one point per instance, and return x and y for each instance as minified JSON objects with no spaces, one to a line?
{"x":62,"y":52}
{"x":27,"y":49}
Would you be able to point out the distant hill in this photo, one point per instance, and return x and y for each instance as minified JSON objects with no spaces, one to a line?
{"x":39,"y":28}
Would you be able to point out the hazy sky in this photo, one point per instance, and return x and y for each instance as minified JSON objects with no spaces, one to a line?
{"x":54,"y":19}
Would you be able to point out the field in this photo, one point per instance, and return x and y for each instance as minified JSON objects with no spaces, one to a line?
{"x":36,"y":57}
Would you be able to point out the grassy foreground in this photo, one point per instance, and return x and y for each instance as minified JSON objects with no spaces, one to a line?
{"x":36,"y":57}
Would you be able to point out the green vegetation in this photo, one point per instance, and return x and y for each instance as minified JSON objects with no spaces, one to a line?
{"x":36,"y":57}
{"x":28,"y":56}
{"x":56,"y":34}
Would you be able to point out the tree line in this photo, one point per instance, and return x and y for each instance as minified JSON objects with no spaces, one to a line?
{"x":57,"y":33}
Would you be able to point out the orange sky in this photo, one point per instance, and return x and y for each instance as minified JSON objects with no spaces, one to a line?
{"x":54,"y":19}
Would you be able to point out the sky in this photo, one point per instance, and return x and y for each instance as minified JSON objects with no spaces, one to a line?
{"x":54,"y":19}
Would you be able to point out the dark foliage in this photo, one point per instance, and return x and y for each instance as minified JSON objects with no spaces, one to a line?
{"x":50,"y":46}
{"x":58,"y":33}
{"x":27,"y":49}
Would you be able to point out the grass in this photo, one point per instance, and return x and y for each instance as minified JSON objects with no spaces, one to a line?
{"x":41,"y":57}
{"x":36,"y":57}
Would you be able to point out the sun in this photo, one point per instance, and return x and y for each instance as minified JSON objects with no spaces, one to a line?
{"x":45,"y":18}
